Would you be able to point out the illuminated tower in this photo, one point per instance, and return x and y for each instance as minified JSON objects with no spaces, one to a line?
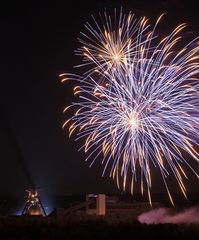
{"x":33,"y":204}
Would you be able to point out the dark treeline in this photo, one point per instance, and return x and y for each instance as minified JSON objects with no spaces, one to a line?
{"x":23,"y":228}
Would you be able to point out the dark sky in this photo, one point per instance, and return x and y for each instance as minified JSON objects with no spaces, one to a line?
{"x":37,"y":44}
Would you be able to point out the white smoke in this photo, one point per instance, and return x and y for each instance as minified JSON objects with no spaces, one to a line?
{"x":163,"y":215}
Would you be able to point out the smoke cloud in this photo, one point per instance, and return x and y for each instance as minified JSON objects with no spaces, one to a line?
{"x":163,"y":215}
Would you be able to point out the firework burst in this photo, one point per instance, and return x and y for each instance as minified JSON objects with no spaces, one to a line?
{"x":138,"y":100}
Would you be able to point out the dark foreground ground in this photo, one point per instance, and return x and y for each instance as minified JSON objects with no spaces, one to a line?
{"x":24,"y":228}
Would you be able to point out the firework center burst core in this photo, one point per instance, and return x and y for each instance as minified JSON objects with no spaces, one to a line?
{"x":133,"y":121}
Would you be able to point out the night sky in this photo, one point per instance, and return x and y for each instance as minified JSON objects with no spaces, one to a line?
{"x":37,"y":44}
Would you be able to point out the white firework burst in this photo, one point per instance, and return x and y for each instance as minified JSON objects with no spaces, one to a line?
{"x":138,"y":101}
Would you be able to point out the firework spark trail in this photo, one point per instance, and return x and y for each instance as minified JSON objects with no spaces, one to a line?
{"x":138,"y":101}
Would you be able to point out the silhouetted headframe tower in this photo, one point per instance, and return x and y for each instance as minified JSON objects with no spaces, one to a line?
{"x":33,"y":204}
